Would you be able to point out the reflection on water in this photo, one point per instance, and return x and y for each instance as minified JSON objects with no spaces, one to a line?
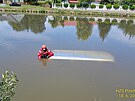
{"x":104,"y":29}
{"x":21,"y":37}
{"x":127,"y":27}
{"x":44,"y":61}
{"x":84,"y":26}
{"x":84,"y":29}
{"x":25,"y":22}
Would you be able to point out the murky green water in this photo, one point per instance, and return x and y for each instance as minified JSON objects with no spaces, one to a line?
{"x":21,"y":36}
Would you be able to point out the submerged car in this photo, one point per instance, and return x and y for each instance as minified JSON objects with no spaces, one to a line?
{"x":14,"y":4}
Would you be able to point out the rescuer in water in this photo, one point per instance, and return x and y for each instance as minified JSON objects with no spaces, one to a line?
{"x":44,"y":53}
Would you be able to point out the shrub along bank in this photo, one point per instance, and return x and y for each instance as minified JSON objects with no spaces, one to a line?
{"x":42,"y":10}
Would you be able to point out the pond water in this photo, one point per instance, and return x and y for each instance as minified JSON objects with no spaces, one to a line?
{"x":21,"y":36}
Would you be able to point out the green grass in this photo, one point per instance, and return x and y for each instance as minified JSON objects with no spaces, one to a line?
{"x":23,"y":7}
{"x":43,"y":10}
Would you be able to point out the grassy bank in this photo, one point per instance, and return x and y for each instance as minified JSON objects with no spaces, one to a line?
{"x":42,"y":10}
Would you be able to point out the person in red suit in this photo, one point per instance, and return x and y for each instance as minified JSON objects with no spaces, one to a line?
{"x":44,"y":53}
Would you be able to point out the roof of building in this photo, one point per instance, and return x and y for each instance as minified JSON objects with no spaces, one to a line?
{"x":73,"y":1}
{"x":70,"y":23}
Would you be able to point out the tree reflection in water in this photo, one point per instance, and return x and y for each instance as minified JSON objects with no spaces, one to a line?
{"x":35,"y":23}
{"x":84,"y":29}
{"x":57,"y":21}
{"x":127,"y":27}
{"x":104,"y":28}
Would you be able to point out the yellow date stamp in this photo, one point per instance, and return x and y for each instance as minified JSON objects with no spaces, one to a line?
{"x":125,"y":93}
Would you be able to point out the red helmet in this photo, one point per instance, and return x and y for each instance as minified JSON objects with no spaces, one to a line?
{"x":43,"y":46}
